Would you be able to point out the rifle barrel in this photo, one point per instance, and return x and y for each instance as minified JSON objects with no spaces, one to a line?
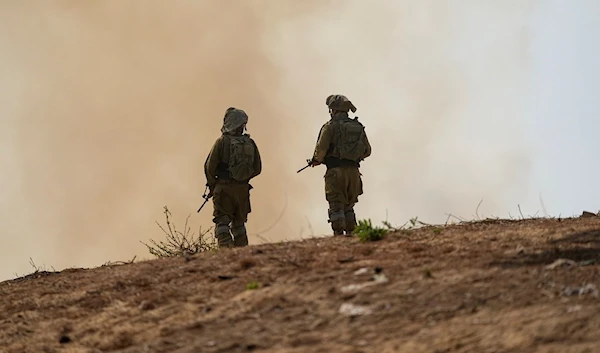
{"x":302,"y":169}
{"x":204,"y":203}
{"x":309,"y":163}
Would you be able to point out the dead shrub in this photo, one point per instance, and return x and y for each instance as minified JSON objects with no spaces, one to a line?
{"x":179,"y":243}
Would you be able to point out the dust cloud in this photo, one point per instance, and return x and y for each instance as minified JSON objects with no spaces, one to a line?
{"x":108,"y":110}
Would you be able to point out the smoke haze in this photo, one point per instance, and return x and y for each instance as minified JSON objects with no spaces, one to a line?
{"x":108,"y":110}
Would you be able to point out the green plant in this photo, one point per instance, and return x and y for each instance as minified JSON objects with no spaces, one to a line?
{"x":412,"y":223}
{"x":388,"y":225}
{"x":366,"y":232}
{"x":252,"y":285}
{"x":180,"y":243}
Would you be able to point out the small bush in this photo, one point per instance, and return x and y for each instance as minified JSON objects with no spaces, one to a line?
{"x":252,"y":285}
{"x":366,"y":232}
{"x":180,"y":243}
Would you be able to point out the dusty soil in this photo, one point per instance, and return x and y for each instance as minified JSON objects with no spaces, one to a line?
{"x":477,"y":287}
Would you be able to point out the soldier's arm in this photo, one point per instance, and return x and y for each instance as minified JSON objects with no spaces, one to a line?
{"x":212,"y":163}
{"x":257,"y":161}
{"x":323,"y":142}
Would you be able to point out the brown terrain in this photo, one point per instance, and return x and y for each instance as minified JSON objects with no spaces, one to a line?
{"x":490,"y":286}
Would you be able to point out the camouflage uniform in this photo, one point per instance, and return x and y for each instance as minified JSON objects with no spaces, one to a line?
{"x":231,"y":198}
{"x":343,"y":183}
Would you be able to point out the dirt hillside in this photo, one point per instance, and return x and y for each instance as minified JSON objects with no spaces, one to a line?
{"x":490,"y":286}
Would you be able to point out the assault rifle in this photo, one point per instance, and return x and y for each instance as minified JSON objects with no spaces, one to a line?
{"x":309,"y":164}
{"x":206,"y":197}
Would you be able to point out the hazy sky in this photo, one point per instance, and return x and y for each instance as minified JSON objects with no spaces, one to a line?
{"x":107,"y":111}
{"x":565,"y":110}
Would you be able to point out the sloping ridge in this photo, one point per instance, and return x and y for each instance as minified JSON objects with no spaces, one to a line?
{"x":490,"y":286}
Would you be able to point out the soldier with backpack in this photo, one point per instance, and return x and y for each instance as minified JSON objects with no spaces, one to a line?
{"x":232,"y":162}
{"x":342,"y":144}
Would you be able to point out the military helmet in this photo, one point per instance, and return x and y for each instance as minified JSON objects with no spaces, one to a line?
{"x":340,"y":102}
{"x":234,"y":118}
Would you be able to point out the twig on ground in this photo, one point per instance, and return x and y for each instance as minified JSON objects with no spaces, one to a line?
{"x":456,"y":217}
{"x":477,"y":210}
{"x":521,"y":213}
{"x":112,"y":263}
{"x":447,"y":220}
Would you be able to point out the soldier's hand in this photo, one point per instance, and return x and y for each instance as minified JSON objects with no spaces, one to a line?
{"x":314,"y":163}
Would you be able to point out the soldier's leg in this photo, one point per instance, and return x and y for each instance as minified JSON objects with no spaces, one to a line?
{"x":336,"y":217}
{"x":222,"y":216}
{"x":238,"y":226}
{"x":222,"y":231}
{"x":355,"y":189}
{"x":350,"y":217}
{"x":240,"y":237}
{"x":334,"y":193}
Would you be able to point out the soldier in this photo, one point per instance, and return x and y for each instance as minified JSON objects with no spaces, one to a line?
{"x":342,"y":144}
{"x":232,"y":162}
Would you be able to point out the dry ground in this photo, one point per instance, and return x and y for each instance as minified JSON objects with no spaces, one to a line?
{"x":477,"y":287}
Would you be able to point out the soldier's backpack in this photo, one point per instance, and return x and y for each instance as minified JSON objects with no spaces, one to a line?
{"x":241,"y":157}
{"x":351,"y":140}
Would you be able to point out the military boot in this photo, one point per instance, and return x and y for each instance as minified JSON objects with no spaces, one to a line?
{"x":224,"y":240}
{"x":240,"y":237}
{"x":223,"y":236}
{"x":350,"y":223}
{"x":336,"y":218}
